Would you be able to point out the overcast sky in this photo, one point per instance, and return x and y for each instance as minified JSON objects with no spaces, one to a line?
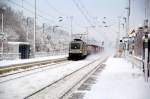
{"x":85,"y":13}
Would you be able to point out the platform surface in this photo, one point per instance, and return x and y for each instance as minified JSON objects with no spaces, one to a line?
{"x":119,"y":80}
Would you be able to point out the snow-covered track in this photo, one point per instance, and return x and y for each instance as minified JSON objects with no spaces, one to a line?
{"x":74,"y":88}
{"x":28,"y":65}
{"x":43,"y":68}
{"x":59,"y":88}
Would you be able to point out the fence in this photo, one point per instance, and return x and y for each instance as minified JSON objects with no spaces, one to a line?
{"x":9,"y":56}
{"x":52,"y":53}
{"x":13,"y":56}
{"x":139,"y":63}
{"x":136,"y":61}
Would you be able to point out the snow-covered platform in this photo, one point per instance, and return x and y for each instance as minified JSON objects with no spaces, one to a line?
{"x":21,"y":61}
{"x":119,"y":80}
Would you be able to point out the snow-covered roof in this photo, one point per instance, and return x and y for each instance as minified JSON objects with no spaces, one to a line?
{"x":17,"y":43}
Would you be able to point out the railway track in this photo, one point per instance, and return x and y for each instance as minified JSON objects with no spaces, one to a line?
{"x":61,"y":87}
{"x":32,"y":71}
{"x":27,"y":65}
{"x":79,"y":89}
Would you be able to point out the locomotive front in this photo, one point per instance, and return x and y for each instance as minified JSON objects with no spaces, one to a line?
{"x":77,"y":49}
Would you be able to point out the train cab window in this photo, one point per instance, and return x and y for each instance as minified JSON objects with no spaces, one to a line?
{"x":75,"y":46}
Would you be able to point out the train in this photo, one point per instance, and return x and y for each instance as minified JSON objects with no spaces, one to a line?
{"x":78,"y":49}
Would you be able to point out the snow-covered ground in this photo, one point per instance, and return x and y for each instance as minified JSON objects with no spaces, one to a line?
{"x":21,"y":87}
{"x":119,"y":81}
{"x":19,"y":61}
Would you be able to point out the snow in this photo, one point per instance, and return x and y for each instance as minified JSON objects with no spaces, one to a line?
{"x":17,"y":43}
{"x":20,"y":61}
{"x":37,"y":79}
{"x":119,"y":81}
{"x":19,"y":88}
{"x":138,"y":58}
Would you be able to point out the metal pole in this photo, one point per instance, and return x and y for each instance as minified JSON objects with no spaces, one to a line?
{"x":146,"y":9}
{"x":22,"y":12}
{"x":22,"y":6}
{"x":27,"y":29}
{"x":127,"y":26}
{"x":146,"y":57}
{"x":71,"y":19}
{"x":125,"y":20}
{"x":2,"y":38}
{"x":87,"y":30}
{"x":43,"y":28}
{"x":119,"y":28}
{"x":118,"y":38}
{"x":34,"y":42}
{"x":128,"y":17}
{"x":146,"y":64}
{"x":146,"y":41}
{"x":2,"y":22}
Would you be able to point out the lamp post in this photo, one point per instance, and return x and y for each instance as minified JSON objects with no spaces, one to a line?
{"x":54,"y":27}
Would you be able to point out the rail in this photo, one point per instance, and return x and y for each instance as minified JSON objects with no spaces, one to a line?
{"x":28,"y":65}
{"x":27,"y":72}
{"x":89,"y":68}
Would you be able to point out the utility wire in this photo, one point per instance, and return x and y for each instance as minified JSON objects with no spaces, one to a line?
{"x":94,"y":21}
{"x":83,"y":13}
{"x":85,"y":10}
{"x":32,"y":12}
{"x":54,"y":8}
{"x":87,"y":19}
{"x":42,"y":12}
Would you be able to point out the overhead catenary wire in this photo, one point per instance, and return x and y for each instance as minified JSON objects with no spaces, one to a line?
{"x":30,"y":11}
{"x":86,"y":12}
{"x":40,"y":11}
{"x":61,"y":14}
{"x":86,"y":17}
{"x":55,"y":9}
{"x":82,"y":12}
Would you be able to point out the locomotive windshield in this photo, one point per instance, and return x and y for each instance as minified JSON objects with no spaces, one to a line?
{"x":75,"y":45}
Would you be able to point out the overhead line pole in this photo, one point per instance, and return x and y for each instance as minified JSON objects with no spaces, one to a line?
{"x":27,"y":34}
{"x":22,"y":6}
{"x":71,"y":32}
{"x":2,"y":38}
{"x":2,"y":22}
{"x":128,"y":16}
{"x":146,"y":66}
{"x":34,"y":39}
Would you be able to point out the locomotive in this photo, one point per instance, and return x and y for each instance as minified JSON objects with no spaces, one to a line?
{"x":78,"y":49}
